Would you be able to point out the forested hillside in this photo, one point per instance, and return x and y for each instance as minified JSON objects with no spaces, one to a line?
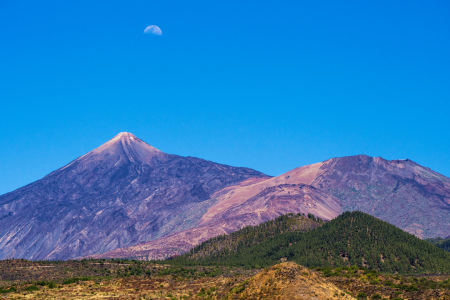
{"x":441,"y":243}
{"x":249,"y":236}
{"x":353,"y":238}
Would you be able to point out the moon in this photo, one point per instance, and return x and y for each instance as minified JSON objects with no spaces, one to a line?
{"x":153,"y":30}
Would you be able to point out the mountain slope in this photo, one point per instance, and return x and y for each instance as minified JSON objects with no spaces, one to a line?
{"x":353,"y":238}
{"x":179,"y":243}
{"x":253,"y":235}
{"x":440,"y":243}
{"x":401,"y":192}
{"x":268,"y":204}
{"x":122,"y":193}
{"x":132,"y":199}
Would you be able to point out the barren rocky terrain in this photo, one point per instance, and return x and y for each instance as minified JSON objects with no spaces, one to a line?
{"x":401,"y":192}
{"x":128,"y":199}
{"x":122,"y":193}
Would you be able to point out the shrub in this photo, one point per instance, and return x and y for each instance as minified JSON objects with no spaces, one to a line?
{"x":52,"y":285}
{"x":70,"y":280}
{"x":362,"y":295}
{"x":10,"y":290}
{"x":31,"y":288}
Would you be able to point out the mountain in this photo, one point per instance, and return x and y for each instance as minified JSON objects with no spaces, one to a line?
{"x":128,"y":199}
{"x":440,"y":243}
{"x":353,"y":238}
{"x":401,"y":192}
{"x":250,"y":236}
{"x":122,"y":193}
{"x":229,"y":216}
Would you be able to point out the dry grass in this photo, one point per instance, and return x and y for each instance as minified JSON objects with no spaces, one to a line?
{"x":98,"y":279}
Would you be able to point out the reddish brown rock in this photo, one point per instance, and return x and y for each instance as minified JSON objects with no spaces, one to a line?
{"x":412,"y":197}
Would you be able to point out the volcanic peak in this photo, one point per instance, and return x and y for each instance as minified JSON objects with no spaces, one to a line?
{"x":123,"y":148}
{"x":127,"y":146}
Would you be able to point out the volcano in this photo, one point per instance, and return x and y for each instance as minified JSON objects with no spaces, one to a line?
{"x":129,"y":199}
{"x":122,"y":193}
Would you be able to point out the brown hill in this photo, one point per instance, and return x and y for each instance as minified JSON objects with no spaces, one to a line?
{"x":289,"y":280}
{"x":401,"y":192}
{"x":122,"y":193}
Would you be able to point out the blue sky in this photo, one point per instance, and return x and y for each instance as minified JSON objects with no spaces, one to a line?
{"x":270,"y":85}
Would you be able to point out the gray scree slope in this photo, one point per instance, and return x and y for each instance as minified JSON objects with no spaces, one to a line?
{"x":122,"y":193}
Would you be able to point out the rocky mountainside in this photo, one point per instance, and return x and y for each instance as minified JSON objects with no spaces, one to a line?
{"x":235,"y":209}
{"x":353,"y":238}
{"x":401,"y":192}
{"x":122,"y":193}
{"x":136,"y":201}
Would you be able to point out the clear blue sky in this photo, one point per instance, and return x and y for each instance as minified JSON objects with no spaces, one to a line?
{"x":270,"y":85}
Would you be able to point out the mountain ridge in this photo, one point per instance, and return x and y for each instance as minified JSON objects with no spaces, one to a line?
{"x":129,"y":197}
{"x":412,"y":197}
{"x":353,"y":238}
{"x":123,"y":192}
